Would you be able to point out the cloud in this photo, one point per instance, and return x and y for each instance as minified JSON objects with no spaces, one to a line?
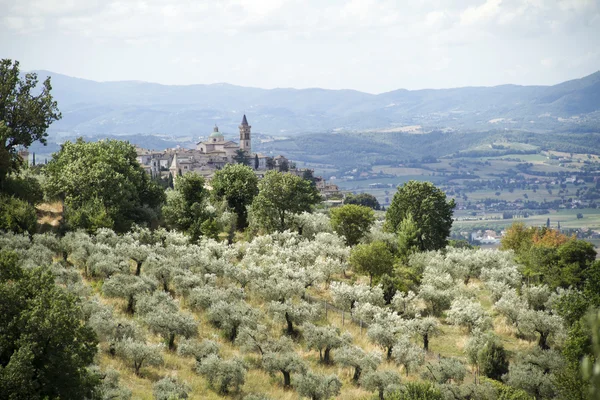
{"x":480,"y":14}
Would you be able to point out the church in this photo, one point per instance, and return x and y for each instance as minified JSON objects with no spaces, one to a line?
{"x":210,"y":155}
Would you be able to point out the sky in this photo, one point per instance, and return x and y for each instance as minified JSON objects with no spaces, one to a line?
{"x":369,"y":45}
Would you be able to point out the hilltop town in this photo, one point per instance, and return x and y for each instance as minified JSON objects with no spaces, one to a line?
{"x":215,"y":152}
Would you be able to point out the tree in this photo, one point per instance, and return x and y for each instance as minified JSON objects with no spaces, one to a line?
{"x":318,"y":387}
{"x":162,"y":316}
{"x":535,"y":373}
{"x":541,"y":322}
{"x":198,"y":350}
{"x":281,"y":195}
{"x":169,"y":388}
{"x":357,"y":358}
{"x":224,"y":376}
{"x":105,"y":182}
{"x":17,"y":215}
{"x":230,"y":317}
{"x":362,"y":199}
{"x":324,"y":339}
{"x":24,"y":116}
{"x":286,"y":362}
{"x":374,"y":259}
{"x":352,"y":222}
{"x":293,"y":313}
{"x":380,"y":381}
{"x":408,"y":238}
{"x":241,"y":157}
{"x":468,"y":313}
{"x":446,"y":370}
{"x":186,"y":205}
{"x":127,"y":287}
{"x":384,"y":332}
{"x":425,"y":328}
{"x":109,"y":388}
{"x":45,"y":347}
{"x":237,"y":185}
{"x":405,"y":353}
{"x":430,"y":210}
{"x":138,"y":353}
{"x":419,"y":391}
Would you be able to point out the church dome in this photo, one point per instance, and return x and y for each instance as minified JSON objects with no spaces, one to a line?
{"x":216,"y":133}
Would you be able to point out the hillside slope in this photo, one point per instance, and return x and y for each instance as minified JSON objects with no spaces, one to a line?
{"x":132,"y":107}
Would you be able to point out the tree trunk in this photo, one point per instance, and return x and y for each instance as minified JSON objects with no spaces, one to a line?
{"x":172,"y":341}
{"x":371,"y":280}
{"x":233,"y":333}
{"x":389,"y":352}
{"x":287,"y":381}
{"x":138,"y":268}
{"x":426,"y":342}
{"x":381,"y":394}
{"x":166,"y":286}
{"x":137,"y":367}
{"x":327,"y":357}
{"x":543,"y":341}
{"x":130,"y":304}
{"x":357,"y":372}
{"x":290,"y":326}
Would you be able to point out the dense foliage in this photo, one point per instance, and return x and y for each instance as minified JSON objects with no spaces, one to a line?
{"x":102,"y":185}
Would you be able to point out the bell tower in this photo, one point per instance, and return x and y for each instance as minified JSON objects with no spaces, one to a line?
{"x":245,"y":140}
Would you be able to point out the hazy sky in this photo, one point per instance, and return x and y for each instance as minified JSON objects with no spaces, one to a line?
{"x":369,"y":45}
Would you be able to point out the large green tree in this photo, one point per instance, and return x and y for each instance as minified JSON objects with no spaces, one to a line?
{"x":26,"y":112}
{"x":238,"y":185}
{"x":186,"y":205}
{"x":353,"y":222}
{"x":374,"y":259}
{"x":101,"y":183}
{"x":45,"y":346}
{"x":430,"y":210}
{"x":280,"y":195}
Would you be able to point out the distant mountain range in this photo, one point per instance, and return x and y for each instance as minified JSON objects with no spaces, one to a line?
{"x":93,"y":108}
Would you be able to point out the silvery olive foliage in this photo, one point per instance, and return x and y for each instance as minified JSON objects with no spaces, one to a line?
{"x":324,"y":339}
{"x":355,"y":357}
{"x":169,"y":388}
{"x":223,"y":376}
{"x":380,"y":381}
{"x":447,"y":370}
{"x":318,"y":387}
{"x":468,"y":313}
{"x":109,"y":387}
{"x":139,"y":354}
{"x":407,"y":354}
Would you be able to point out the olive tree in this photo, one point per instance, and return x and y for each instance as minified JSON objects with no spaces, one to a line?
{"x":445,"y":371}
{"x":198,"y":350}
{"x":380,"y":381}
{"x":468,"y":313}
{"x":139,"y":354}
{"x":318,"y":387}
{"x":408,"y":355}
{"x":355,"y":357}
{"x":224,"y":376}
{"x":425,"y":328}
{"x":293,"y":313}
{"x":543,"y":323}
{"x":286,"y":362}
{"x":230,"y":317}
{"x":128,"y":287}
{"x":169,"y":388}
{"x":384,"y":331}
{"x":324,"y":339}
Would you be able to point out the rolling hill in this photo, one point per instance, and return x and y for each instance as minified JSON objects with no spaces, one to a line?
{"x":132,"y":107}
